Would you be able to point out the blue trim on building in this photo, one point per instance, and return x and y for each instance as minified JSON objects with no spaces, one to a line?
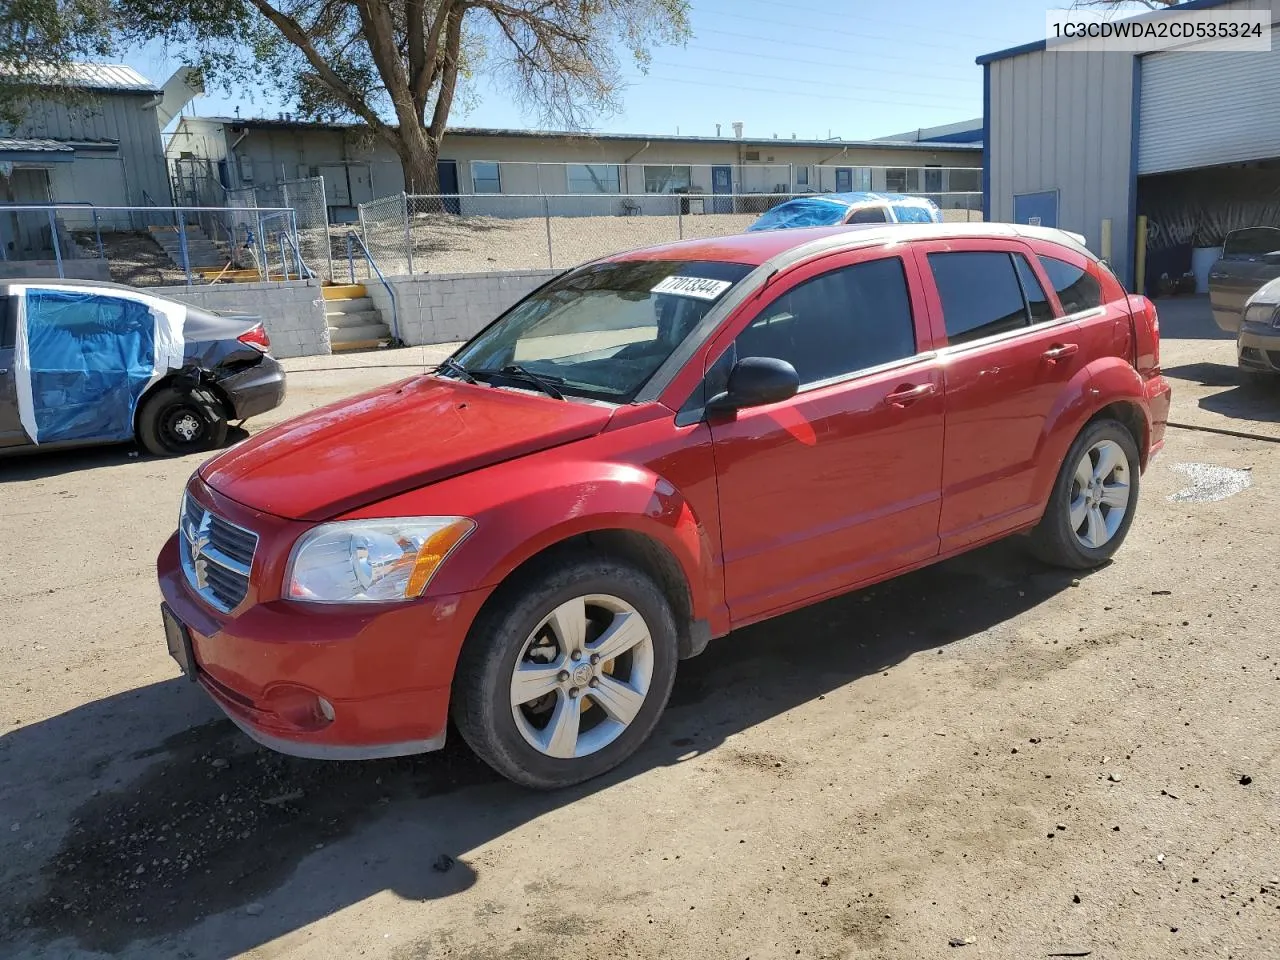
{"x":986,"y":143}
{"x":1128,"y":263}
{"x":1041,"y":44}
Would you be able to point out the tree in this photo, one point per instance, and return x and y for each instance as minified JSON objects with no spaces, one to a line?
{"x":1149,"y":4}
{"x":37,"y":39}
{"x":395,"y":65}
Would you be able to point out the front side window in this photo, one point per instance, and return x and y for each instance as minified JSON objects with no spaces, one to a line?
{"x":486,"y":177}
{"x":593,"y":178}
{"x":846,"y":320}
{"x":664,"y":179}
{"x":1076,"y":288}
{"x":980,"y":294}
{"x":868,"y":215}
{"x":602,"y":331}
{"x":1250,"y":243}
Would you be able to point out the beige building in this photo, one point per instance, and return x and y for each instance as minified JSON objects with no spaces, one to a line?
{"x":607,"y":171}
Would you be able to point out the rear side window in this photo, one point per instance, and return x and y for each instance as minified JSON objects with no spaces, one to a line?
{"x":1037,"y":300}
{"x":849,"y":319}
{"x":1076,"y":289}
{"x":1251,"y":242}
{"x":868,"y":215}
{"x":980,"y":294}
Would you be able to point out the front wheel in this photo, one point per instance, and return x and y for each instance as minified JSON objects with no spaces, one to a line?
{"x":1093,"y":500}
{"x":171,"y":423}
{"x":566,"y":675}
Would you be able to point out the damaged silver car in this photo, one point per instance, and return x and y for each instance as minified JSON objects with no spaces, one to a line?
{"x":84,"y":363}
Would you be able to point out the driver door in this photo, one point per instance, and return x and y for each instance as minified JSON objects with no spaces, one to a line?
{"x":841,"y":483}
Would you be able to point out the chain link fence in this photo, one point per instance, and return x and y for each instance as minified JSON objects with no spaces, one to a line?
{"x":470,"y":233}
{"x":306,"y":198}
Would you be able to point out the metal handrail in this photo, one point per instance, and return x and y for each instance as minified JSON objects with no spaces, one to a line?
{"x":353,"y":239}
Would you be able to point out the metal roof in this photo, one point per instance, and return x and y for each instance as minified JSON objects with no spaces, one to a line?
{"x":107,"y":77}
{"x":24,"y":145}
{"x":1037,"y":45}
{"x":266,"y":123}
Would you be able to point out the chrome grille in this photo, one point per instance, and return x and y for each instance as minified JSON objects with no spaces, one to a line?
{"x":216,"y":556}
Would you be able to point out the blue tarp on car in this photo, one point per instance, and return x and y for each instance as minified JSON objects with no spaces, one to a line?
{"x":84,"y":360}
{"x":828,"y":209}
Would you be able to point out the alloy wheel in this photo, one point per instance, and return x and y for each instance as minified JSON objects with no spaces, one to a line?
{"x":1099,"y":494}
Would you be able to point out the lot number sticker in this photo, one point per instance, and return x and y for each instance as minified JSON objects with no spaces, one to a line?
{"x":699,"y":287}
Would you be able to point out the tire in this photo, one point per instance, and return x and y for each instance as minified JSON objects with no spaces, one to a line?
{"x":171,"y":424}
{"x":522,"y":627}
{"x":1057,"y":539}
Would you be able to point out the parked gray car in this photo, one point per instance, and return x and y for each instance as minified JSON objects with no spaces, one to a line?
{"x":1258,"y":340}
{"x":1250,"y":258}
{"x":85,"y":363}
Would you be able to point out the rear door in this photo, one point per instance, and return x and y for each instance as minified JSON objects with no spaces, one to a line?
{"x":1242,"y":270}
{"x":1006,"y":359}
{"x":840,"y":483}
{"x":11,"y":432}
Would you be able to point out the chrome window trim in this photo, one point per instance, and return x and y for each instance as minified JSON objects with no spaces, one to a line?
{"x":867,"y":372}
{"x":950,"y":351}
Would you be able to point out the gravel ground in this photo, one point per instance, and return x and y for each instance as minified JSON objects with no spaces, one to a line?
{"x":986,"y":753}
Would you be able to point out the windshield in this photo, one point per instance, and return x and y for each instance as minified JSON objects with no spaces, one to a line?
{"x":602,"y":330}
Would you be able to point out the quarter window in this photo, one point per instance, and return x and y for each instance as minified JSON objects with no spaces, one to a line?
{"x":980,"y":294}
{"x":1037,"y":300}
{"x":834,"y":324}
{"x":486,"y":177}
{"x":1076,"y":288}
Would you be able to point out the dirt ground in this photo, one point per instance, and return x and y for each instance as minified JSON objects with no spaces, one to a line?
{"x":986,"y":753}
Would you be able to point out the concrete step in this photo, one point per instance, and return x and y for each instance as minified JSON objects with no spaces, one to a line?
{"x":354,"y":305}
{"x":343,"y":291}
{"x":344,"y":321}
{"x":354,"y":345}
{"x":370,"y":331}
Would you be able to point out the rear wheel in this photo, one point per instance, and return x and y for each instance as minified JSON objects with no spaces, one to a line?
{"x":565,"y":676}
{"x":171,"y":423}
{"x":1093,"y":499}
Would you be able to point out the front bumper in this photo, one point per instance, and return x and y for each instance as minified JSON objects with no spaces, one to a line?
{"x":255,"y":390}
{"x":385,"y":673}
{"x":1258,"y":347}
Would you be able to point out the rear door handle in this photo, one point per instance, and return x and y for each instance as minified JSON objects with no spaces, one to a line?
{"x":905,"y":396}
{"x":1060,"y":351}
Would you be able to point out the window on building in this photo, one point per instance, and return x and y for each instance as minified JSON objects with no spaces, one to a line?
{"x":802,"y":176}
{"x":663,"y":179}
{"x":1076,"y":289}
{"x":1037,"y":299}
{"x":862,"y":178}
{"x":902,"y":179}
{"x":964,"y":180}
{"x":933,"y":179}
{"x":486,"y":177}
{"x":593,"y":178}
{"x":980,"y":294}
{"x":845,"y":320}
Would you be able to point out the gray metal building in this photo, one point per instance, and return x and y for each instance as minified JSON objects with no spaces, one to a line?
{"x":1090,"y":141}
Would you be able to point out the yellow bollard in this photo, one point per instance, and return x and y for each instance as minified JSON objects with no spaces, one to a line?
{"x":1140,"y":257}
{"x":1106,"y":240}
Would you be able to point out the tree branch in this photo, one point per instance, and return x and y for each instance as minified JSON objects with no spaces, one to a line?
{"x":423,"y":76}
{"x":293,"y":32}
{"x":448,"y":78}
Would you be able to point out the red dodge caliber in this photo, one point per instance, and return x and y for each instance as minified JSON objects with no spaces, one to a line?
{"x":649,"y":451}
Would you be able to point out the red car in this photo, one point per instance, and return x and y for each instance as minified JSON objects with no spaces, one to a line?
{"x":644,"y":454}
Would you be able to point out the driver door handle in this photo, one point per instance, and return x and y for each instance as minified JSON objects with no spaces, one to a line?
{"x":1060,"y":351}
{"x":904,"y":396}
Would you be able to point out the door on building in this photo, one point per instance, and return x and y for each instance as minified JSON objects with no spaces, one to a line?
{"x":844,"y":179}
{"x":1036,"y":209}
{"x":447,"y":173}
{"x":722,"y":183}
{"x":933,"y":181}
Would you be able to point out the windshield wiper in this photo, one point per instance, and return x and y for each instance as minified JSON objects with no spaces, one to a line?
{"x":453,"y":366}
{"x":514,"y":371}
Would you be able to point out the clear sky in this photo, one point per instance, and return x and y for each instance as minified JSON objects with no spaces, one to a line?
{"x":815,"y":68}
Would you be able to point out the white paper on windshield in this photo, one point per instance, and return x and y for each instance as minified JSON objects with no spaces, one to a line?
{"x":698,"y":287}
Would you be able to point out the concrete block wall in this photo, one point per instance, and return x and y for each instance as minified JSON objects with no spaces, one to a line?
{"x":292,"y":311}
{"x":444,"y":307}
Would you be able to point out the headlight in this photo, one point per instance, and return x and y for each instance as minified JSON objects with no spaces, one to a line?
{"x":1261,"y":313}
{"x":357,"y":561}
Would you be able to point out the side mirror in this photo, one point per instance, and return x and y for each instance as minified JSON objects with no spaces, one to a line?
{"x":755,"y":381}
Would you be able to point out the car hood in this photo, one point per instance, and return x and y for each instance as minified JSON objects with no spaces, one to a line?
{"x":391,"y":440}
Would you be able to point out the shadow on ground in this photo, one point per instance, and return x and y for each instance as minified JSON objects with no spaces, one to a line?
{"x":213,"y":823}
{"x":44,"y":464}
{"x":1248,"y":400}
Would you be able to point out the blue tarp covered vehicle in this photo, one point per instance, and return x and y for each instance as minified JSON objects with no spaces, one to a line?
{"x":830,"y":209}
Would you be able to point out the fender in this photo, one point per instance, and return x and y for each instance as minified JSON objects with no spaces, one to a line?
{"x":563,"y":501}
{"x":1096,"y":385}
